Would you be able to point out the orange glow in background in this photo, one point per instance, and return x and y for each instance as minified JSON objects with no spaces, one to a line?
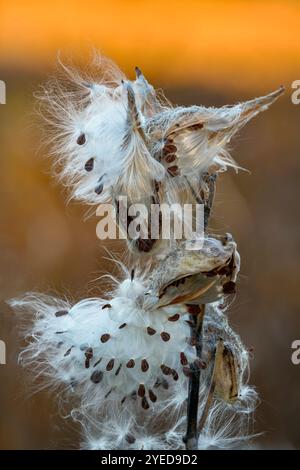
{"x":239,"y":44}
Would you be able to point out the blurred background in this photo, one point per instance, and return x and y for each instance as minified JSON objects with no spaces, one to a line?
{"x":199,"y":52}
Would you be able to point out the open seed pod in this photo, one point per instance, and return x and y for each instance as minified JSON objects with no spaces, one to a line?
{"x":194,"y":276}
{"x":114,"y":137}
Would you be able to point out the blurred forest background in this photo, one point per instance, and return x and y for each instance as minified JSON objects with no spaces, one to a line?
{"x":199,"y":52}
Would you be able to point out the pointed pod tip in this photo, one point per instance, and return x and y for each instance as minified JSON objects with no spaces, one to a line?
{"x":138,"y":71}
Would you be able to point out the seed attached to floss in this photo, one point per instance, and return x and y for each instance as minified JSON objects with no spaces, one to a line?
{"x":174,"y":317}
{"x":104,"y":338}
{"x":187,"y":371}
{"x":88,"y":354}
{"x":61,"y":313}
{"x":118,"y":369}
{"x":166,"y":370}
{"x":122,"y":326}
{"x":141,"y":390}
{"x":67,"y":353}
{"x":175,"y":375}
{"x":152,"y":396}
{"x":89,"y":165}
{"x":81,"y":139}
{"x":130,"y":439}
{"x":99,"y":188}
{"x":183,"y":359}
{"x":144,"y":365}
{"x":96,"y":376}
{"x":145,"y":404}
{"x":110,"y":365}
{"x":165,"y":336}
{"x":130,"y":364}
{"x":106,"y":306}
{"x":151,"y":331}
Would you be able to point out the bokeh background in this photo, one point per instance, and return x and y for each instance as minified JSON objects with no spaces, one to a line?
{"x":199,"y":52}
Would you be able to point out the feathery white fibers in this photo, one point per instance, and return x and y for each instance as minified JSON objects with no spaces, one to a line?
{"x":137,"y":407}
{"x":113,"y":137}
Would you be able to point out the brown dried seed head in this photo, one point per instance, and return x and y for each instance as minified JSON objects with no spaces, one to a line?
{"x":96,"y":376}
{"x":165,"y":336}
{"x":151,"y":331}
{"x":152,"y":396}
{"x":174,"y":317}
{"x":183,"y":359}
{"x":130,"y":364}
{"x":81,"y":139}
{"x":144,"y":365}
{"x":61,"y":313}
{"x":110,"y":365}
{"x":104,"y":338}
{"x":141,"y":390}
{"x":89,"y":165}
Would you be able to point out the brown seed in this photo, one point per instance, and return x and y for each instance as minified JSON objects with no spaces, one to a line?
{"x":89,"y":165}
{"x":122,"y":326}
{"x":175,"y":375}
{"x":145,"y":403}
{"x":165,"y":336}
{"x":166,"y":370}
{"x":106,"y":306}
{"x":61,"y":313}
{"x":192,"y":341}
{"x":130,"y":364}
{"x":97,"y":376}
{"x":89,"y":353}
{"x":169,"y":148}
{"x":110,"y":365}
{"x":144,"y":365}
{"x":173,"y":170}
{"x":118,"y":369}
{"x":67,"y":353}
{"x":151,"y":331}
{"x":183,"y":359}
{"x":81,"y":139}
{"x":174,"y":317}
{"x":193,"y":309}
{"x":200,"y":364}
{"x":141,"y":390}
{"x":229,"y":288}
{"x":187,"y":371}
{"x":87,"y":363}
{"x":130,"y":439}
{"x":170,"y":158}
{"x":104,"y":338}
{"x":195,"y":127}
{"x":152,"y":396}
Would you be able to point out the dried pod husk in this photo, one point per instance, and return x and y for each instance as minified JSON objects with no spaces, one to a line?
{"x":194,"y":276}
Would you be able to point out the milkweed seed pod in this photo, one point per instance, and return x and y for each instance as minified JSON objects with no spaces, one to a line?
{"x":114,"y":137}
{"x":122,"y":357}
